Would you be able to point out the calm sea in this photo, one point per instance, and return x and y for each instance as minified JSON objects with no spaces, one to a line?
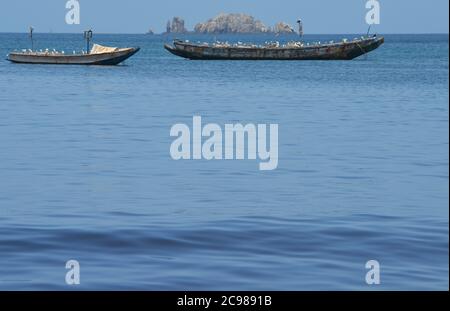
{"x":86,"y":173}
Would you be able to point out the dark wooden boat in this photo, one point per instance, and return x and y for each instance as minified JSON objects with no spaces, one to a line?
{"x":345,"y":50}
{"x":99,"y":55}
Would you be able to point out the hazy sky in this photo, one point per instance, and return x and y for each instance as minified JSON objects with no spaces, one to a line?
{"x":137,"y":16}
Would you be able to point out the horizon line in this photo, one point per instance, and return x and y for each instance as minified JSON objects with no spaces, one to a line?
{"x":195,"y":33}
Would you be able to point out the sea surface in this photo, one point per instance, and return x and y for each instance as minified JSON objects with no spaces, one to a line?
{"x":363,"y":174}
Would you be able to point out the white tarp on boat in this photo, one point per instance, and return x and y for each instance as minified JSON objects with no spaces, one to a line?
{"x":98,"y":49}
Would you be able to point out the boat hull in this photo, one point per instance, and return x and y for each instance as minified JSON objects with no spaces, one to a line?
{"x":106,"y":59}
{"x":336,"y":51}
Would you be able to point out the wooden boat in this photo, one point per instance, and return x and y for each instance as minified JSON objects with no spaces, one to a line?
{"x":99,"y":55}
{"x":344,"y":50}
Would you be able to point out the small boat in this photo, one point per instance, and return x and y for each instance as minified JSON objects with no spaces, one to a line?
{"x":344,"y":50}
{"x":98,"y":55}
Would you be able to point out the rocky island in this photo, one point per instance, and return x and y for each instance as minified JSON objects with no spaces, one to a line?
{"x":239,"y":23}
{"x":231,"y":23}
{"x":235,"y":23}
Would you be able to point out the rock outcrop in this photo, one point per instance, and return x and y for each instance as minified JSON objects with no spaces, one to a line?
{"x":177,"y":26}
{"x":283,"y":28}
{"x":232,"y":23}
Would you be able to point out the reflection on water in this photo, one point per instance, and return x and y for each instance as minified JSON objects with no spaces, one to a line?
{"x":86,"y":171}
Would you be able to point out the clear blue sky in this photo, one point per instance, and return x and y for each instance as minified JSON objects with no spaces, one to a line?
{"x":137,"y":16}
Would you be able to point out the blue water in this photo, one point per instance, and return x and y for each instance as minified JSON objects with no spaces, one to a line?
{"x":86,"y":173}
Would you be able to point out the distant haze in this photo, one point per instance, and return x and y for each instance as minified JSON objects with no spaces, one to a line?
{"x":138,"y":16}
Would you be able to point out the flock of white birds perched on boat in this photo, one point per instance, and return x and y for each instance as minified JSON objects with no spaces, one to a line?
{"x":272,"y":44}
{"x":48,"y":52}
